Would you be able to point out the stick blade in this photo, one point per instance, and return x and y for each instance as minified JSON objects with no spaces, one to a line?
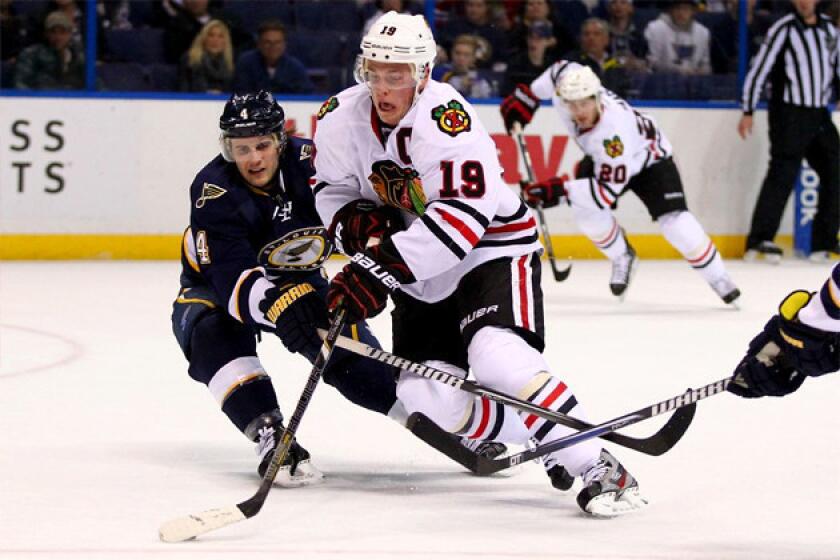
{"x":190,"y":526}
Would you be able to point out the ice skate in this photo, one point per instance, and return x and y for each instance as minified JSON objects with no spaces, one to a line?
{"x":622,"y":272}
{"x":296,"y":469}
{"x":766,"y":250}
{"x":608,"y":489}
{"x":727,"y":290}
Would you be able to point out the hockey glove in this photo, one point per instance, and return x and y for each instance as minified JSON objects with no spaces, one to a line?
{"x":361,"y":220}
{"x":785,"y":352}
{"x":297,"y":311}
{"x":519,"y":107}
{"x":549,"y":193}
{"x":364,"y":285}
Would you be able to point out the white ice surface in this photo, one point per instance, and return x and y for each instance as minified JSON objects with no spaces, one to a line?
{"x":103,"y":435}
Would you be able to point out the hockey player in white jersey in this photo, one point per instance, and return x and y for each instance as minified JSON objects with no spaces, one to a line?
{"x":626,"y":152}
{"x":464,"y":274}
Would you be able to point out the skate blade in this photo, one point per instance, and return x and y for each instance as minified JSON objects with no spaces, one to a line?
{"x":306,"y":474}
{"x":633,"y":267}
{"x":755,"y":256}
{"x":606,"y":505}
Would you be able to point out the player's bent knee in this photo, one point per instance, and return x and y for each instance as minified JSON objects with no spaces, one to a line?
{"x":502,"y":359}
{"x":445,"y":405}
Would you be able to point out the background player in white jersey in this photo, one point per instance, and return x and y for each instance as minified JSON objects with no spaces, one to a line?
{"x":465,"y":273}
{"x":626,"y":151}
{"x":802,"y":340}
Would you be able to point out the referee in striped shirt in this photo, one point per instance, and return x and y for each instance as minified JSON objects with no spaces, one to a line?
{"x":800,"y":58}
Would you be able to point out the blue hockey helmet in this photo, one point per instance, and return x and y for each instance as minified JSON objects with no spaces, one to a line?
{"x":252,"y":114}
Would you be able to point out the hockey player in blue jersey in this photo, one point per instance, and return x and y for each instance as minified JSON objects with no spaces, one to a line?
{"x":251,"y":263}
{"x":802,"y":340}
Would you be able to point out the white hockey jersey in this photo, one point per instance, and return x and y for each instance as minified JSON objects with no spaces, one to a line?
{"x":622,"y":143}
{"x":459,"y":212}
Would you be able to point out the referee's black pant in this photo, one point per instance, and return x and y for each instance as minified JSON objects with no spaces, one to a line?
{"x":797,"y":133}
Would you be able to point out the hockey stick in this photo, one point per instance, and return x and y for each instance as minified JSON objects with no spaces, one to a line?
{"x":190,"y":526}
{"x":685,"y":401}
{"x":657,"y":444}
{"x":559,"y":274}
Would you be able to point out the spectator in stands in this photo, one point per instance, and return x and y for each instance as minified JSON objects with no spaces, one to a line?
{"x":540,"y":10}
{"x":184,"y":20}
{"x":462,"y":74}
{"x":208,"y":65}
{"x":627,"y":43}
{"x":382,"y":8}
{"x":594,"y":40}
{"x":114,"y":14}
{"x":188,"y":18}
{"x":75,"y":14}
{"x":677,"y":43}
{"x":56,"y":64}
{"x":526,"y":66}
{"x":478,"y":21}
{"x":724,"y":45}
{"x":15,"y":32}
{"x":269,"y":67}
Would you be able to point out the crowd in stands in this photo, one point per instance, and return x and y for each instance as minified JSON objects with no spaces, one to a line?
{"x":649,"y":49}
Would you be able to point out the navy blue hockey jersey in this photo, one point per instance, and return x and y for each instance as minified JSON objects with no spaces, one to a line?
{"x":243,"y":240}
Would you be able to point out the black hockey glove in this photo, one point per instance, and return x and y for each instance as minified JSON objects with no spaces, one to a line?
{"x":785,"y":352}
{"x":519,"y":107}
{"x":364,"y":284}
{"x":359,"y":221}
{"x":297,"y":311}
{"x":549,"y":193}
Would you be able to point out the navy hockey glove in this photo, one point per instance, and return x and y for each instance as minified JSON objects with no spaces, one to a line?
{"x":297,"y":311}
{"x":519,"y":107}
{"x":361,"y":220}
{"x":549,"y":193}
{"x":364,"y":285}
{"x":785,"y":352}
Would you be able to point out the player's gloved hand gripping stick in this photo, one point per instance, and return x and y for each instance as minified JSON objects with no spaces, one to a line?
{"x":190,"y":526}
{"x":560,"y":274}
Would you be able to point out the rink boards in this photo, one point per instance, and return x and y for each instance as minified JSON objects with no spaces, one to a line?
{"x":109,"y":178}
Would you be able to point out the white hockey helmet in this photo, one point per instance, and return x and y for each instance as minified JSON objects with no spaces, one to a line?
{"x":579,"y":83}
{"x":400,"y":39}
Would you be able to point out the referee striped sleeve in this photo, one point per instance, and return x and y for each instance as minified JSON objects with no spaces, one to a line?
{"x":763,"y":62}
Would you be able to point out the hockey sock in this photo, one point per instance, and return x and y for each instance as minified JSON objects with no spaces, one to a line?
{"x":684,"y":232}
{"x":549,"y":392}
{"x":602,"y":228}
{"x":501,"y":359}
{"x":486,"y":420}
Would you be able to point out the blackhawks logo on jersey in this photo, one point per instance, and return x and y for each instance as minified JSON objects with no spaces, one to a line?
{"x":451,"y":118}
{"x":398,"y":186}
{"x":614,"y":147}
{"x":328,"y":106}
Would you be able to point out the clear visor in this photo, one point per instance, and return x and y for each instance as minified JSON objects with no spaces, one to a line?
{"x":387,"y":76}
{"x":242,"y":149}
{"x":582,"y":105}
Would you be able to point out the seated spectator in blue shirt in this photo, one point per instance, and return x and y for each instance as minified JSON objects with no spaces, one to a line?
{"x":478,"y":21}
{"x":208,"y":66}
{"x":461,"y":74}
{"x":268,"y":66}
